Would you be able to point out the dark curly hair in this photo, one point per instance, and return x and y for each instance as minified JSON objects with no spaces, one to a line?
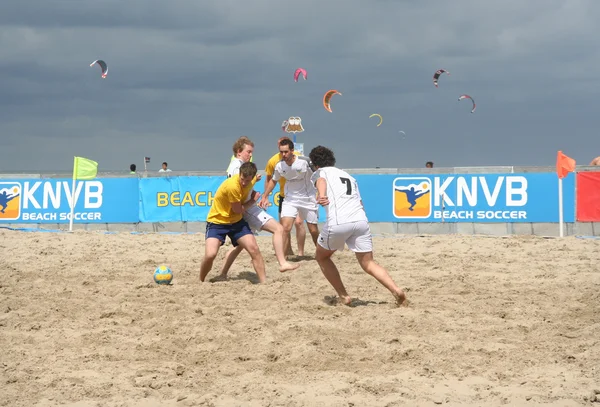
{"x":322,"y":157}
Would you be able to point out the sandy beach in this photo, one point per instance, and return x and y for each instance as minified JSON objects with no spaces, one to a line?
{"x":491,"y":321}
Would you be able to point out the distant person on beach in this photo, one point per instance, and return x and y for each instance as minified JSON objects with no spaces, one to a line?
{"x":165,"y":167}
{"x":346,"y":223}
{"x":300,"y":193}
{"x":132,"y":168}
{"x":298,"y":222}
{"x":225,"y":218}
{"x":595,"y":161}
{"x":257,"y":218}
{"x":429,"y":164}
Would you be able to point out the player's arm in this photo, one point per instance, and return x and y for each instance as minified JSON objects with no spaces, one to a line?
{"x":321,"y":185}
{"x":237,"y":207}
{"x":252,"y":201}
{"x":235,"y":198}
{"x":358,"y":194}
{"x":269,"y":171}
{"x":269,"y":186}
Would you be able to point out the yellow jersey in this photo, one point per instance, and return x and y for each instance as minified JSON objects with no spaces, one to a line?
{"x":230,"y":191}
{"x":270,"y":170}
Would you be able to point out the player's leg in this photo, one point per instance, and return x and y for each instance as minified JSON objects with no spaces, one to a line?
{"x":278,"y":237}
{"x":287,"y":242}
{"x":300,"y":234}
{"x":311,"y":216}
{"x":361,"y":243}
{"x":288,"y":215}
{"x":230,"y":257}
{"x":327,"y":244}
{"x":214,"y":238}
{"x":241,"y":235}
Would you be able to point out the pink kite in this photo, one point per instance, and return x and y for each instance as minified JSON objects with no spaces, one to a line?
{"x":298,"y":72}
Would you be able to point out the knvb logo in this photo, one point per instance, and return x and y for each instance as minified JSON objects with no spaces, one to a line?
{"x":412,"y":197}
{"x":10,"y":200}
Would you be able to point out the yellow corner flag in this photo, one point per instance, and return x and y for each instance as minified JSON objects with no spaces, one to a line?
{"x":84,"y":168}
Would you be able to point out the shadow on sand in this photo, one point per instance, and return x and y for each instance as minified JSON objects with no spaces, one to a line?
{"x":356,"y":302}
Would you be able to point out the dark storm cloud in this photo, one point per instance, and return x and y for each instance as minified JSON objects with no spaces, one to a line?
{"x":186,"y":78}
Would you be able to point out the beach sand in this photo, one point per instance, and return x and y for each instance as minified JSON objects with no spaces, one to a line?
{"x":491,"y":321}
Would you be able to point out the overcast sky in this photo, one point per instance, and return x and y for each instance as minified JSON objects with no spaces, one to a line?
{"x":187,"y":77}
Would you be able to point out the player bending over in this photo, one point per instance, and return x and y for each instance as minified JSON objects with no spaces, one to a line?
{"x":225,"y":219}
{"x":257,"y":218}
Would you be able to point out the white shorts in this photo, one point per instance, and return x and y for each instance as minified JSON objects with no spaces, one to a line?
{"x":256,"y":217}
{"x":357,"y":235}
{"x":290,"y":211}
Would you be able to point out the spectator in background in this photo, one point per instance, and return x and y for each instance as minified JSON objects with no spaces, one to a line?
{"x":132,"y":168}
{"x":164,"y":167}
{"x":429,"y":164}
{"x":595,"y":161}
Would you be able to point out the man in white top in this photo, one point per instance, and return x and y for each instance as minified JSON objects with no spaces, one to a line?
{"x":300,"y":193}
{"x":164,"y":167}
{"x":257,"y":218}
{"x":346,"y":223}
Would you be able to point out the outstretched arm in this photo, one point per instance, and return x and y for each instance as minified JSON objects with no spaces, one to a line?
{"x":269,"y":185}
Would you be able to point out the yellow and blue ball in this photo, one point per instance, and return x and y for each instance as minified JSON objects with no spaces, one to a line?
{"x":163,"y":275}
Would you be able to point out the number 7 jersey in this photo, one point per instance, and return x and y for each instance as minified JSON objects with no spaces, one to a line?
{"x":344,"y":196}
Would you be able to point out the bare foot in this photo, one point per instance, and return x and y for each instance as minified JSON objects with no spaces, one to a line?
{"x":401,"y":300}
{"x":288,"y":267}
{"x":345,"y":300}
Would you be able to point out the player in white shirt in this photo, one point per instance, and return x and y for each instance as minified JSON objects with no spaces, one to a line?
{"x":300,"y":193}
{"x":346,"y":223}
{"x":257,"y":218}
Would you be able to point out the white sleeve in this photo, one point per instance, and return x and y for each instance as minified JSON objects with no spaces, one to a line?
{"x":276,"y":173}
{"x":234,"y":168}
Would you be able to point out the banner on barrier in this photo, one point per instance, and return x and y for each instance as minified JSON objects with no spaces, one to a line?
{"x":588,"y":196}
{"x":112,"y":200}
{"x":188,"y":199}
{"x":472,"y":198}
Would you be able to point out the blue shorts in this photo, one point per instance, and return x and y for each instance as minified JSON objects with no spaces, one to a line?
{"x":234,"y":231}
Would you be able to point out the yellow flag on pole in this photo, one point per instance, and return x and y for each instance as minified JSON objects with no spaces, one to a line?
{"x":84,"y":168}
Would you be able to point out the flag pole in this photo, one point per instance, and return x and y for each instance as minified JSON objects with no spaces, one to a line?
{"x":560,"y":207}
{"x":73,"y":195}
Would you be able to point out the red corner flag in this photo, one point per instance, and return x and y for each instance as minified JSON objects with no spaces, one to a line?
{"x":564,"y":165}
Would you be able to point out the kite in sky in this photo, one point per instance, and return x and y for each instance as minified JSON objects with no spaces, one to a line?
{"x":380,"y":118}
{"x":437,"y":74}
{"x":461,"y":97}
{"x":298,"y":72}
{"x":103,"y":66}
{"x":327,"y":98}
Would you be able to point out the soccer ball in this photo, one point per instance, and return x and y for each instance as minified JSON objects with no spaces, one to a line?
{"x":163,"y":275}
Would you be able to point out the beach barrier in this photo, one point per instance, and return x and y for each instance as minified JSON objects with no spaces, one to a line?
{"x":500,"y":200}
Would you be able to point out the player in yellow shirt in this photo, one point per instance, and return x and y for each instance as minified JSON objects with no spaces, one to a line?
{"x":225,"y":218}
{"x":298,"y":222}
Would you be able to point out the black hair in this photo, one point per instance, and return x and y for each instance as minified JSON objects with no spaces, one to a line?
{"x":322,"y":157}
{"x":287,"y":142}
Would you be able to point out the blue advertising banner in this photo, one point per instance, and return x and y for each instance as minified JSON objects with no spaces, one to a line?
{"x":188,"y":199}
{"x":478,"y":198}
{"x":108,"y":200}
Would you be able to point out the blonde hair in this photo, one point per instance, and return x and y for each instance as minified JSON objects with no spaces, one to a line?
{"x":240,"y":143}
